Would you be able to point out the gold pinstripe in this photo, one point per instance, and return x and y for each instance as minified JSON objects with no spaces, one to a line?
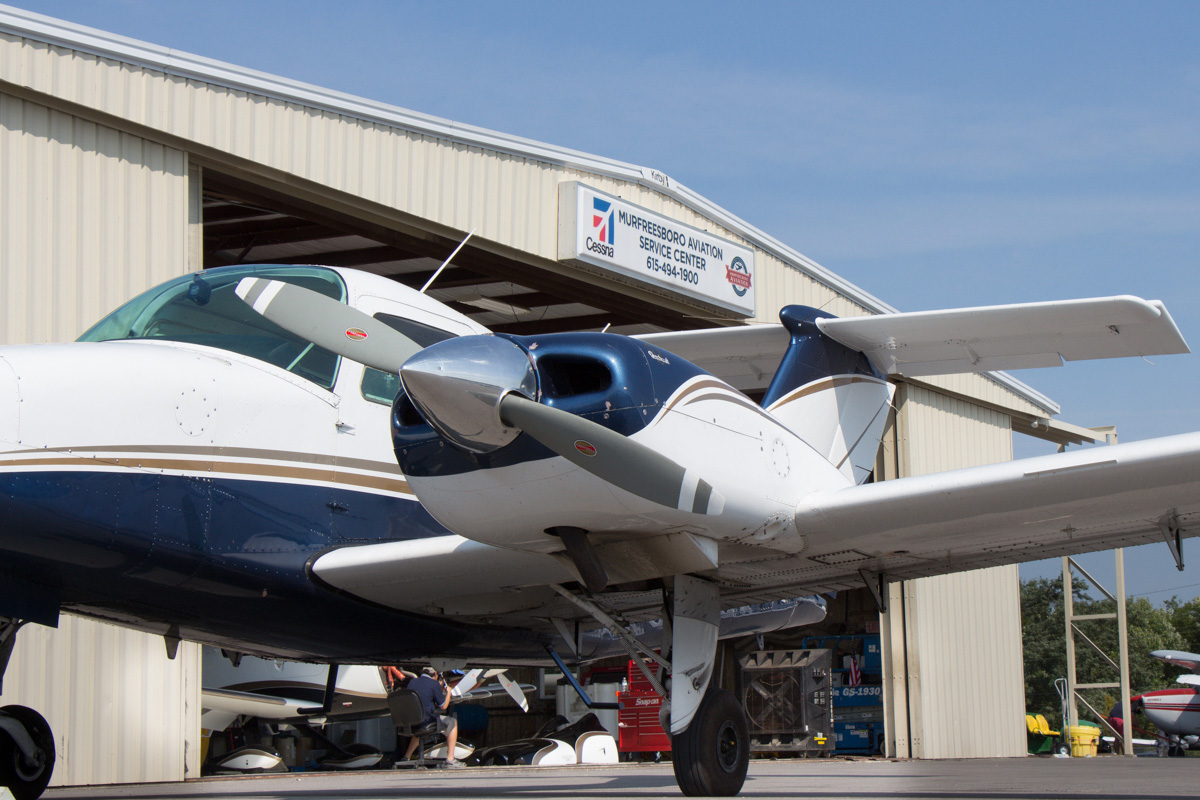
{"x":213,"y":468}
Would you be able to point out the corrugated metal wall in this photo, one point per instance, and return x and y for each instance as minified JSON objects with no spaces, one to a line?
{"x":89,"y":217}
{"x":121,"y":712}
{"x":952,"y":644}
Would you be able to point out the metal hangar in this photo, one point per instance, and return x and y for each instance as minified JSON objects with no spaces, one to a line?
{"x":123,"y":164}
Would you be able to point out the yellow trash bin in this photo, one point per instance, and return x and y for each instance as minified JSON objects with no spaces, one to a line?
{"x":1084,"y":740}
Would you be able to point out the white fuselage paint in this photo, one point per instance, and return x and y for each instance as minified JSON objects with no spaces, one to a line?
{"x":760,"y":466}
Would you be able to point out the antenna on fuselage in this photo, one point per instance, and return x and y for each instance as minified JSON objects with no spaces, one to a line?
{"x":438,"y":271}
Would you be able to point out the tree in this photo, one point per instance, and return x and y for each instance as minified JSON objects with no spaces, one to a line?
{"x":1186,"y":619}
{"x":1043,"y":631}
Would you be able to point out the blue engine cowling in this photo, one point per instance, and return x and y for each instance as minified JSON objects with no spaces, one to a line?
{"x":612,"y":380}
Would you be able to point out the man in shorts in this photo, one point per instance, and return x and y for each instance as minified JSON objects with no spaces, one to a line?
{"x":435,"y":697}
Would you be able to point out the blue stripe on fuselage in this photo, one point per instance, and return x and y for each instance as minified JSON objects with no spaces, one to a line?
{"x":226,"y":558}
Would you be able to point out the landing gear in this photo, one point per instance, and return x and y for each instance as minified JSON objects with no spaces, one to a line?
{"x":712,"y":755}
{"x":25,"y":770}
{"x":26,"y":743}
{"x":710,"y":737}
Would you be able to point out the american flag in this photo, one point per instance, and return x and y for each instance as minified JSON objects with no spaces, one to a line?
{"x":855,"y":674}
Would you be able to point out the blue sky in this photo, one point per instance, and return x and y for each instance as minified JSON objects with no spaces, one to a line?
{"x":936,"y":154}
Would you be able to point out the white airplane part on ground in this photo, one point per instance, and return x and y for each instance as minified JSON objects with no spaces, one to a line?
{"x":194,"y":468}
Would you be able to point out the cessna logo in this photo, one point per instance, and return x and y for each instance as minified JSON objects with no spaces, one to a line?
{"x":355,"y":333}
{"x":586,"y":448}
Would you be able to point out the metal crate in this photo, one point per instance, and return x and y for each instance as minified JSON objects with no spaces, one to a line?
{"x":788,"y":702}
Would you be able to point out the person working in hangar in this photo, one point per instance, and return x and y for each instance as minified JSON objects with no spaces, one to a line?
{"x":435,"y":698}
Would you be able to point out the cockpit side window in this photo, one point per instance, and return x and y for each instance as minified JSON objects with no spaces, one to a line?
{"x":381,"y":387}
{"x":203,"y":309}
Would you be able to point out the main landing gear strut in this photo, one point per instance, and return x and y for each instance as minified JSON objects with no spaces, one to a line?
{"x":710,"y":740}
{"x":26,"y":743}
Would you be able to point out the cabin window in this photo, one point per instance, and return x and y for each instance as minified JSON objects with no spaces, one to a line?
{"x":202,"y":309}
{"x":381,"y":387}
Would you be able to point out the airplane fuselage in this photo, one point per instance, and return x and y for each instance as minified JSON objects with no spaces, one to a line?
{"x":1173,"y":711}
{"x":191,"y":486}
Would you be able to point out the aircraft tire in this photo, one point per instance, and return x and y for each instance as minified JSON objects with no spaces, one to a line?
{"x":711,"y":757}
{"x":25,"y":782}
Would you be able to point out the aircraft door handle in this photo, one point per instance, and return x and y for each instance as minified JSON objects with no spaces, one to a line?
{"x":338,"y":508}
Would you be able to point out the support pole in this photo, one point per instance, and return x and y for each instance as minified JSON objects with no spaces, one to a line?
{"x":1123,"y":639}
{"x":1068,"y":615}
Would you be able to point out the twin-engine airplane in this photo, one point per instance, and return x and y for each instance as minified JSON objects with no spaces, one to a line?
{"x":191,"y":468}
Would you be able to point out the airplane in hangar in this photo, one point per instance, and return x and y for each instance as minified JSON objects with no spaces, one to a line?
{"x":191,"y":468}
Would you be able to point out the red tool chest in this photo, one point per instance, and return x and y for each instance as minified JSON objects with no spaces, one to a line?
{"x":637,"y":718}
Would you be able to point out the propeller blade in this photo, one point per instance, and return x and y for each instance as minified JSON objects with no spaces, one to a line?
{"x":328,"y":323}
{"x":468,"y":682}
{"x":612,"y":457}
{"x":514,"y":691}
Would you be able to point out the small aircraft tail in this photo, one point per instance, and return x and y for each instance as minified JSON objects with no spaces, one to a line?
{"x":829,"y":394}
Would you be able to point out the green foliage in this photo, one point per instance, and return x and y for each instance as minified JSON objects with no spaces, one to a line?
{"x":1044,"y":632}
{"x":1186,"y":619}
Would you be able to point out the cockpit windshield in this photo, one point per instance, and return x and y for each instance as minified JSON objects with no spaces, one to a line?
{"x":203,"y":309}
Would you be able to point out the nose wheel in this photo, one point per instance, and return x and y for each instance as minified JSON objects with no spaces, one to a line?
{"x":25,"y":775}
{"x":711,"y":757}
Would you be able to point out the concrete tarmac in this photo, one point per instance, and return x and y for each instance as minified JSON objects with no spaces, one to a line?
{"x":1101,"y":778}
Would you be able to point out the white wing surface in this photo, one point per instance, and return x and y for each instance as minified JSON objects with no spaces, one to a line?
{"x":744,"y":357}
{"x":1005,"y":513}
{"x":1010,"y":337}
{"x":944,"y":342}
{"x":1181,"y":659}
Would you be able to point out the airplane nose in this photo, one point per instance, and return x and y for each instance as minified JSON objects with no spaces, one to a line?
{"x":10,"y":404}
{"x":457,"y":386}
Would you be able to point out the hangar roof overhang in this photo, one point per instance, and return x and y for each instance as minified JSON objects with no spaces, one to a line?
{"x":175,"y":63}
{"x":245,"y":221}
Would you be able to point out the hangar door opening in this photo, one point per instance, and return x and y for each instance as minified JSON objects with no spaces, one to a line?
{"x":246,"y":222}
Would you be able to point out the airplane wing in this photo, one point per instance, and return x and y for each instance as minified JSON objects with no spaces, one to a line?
{"x":1010,"y":336}
{"x":1010,"y":512}
{"x":1063,"y":504}
{"x":1179,"y":658}
{"x":744,"y":357}
{"x":945,"y":342}
{"x":222,"y":706}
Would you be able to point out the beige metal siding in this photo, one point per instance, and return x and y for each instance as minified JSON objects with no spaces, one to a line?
{"x":89,"y":217}
{"x":953,"y":643}
{"x":121,"y":712}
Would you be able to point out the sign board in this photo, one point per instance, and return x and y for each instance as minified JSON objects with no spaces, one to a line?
{"x":621,"y":238}
{"x":857,"y":696}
